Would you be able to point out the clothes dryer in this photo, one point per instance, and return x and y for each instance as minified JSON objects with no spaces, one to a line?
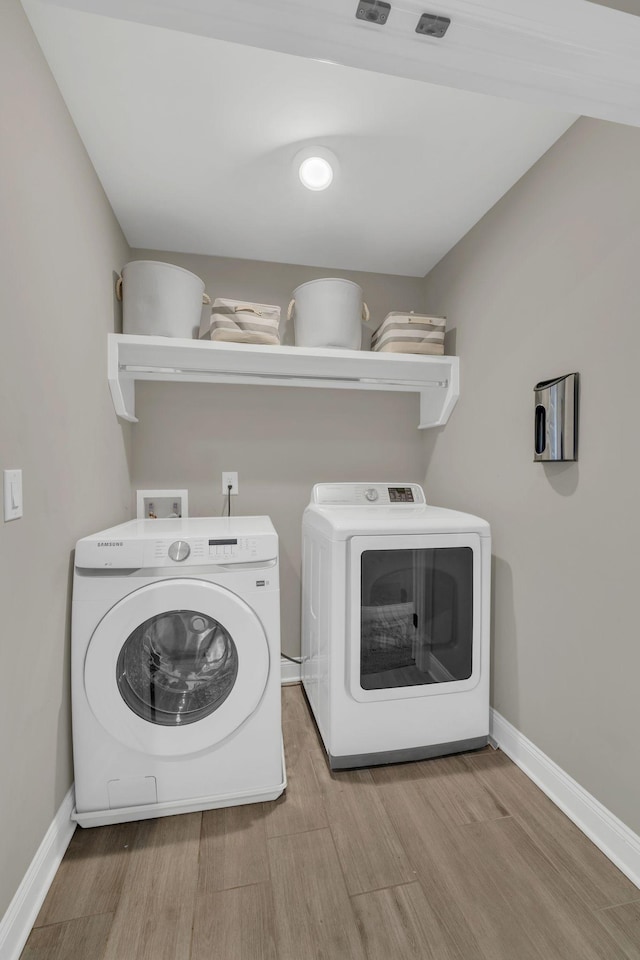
{"x":395,"y":624}
{"x":175,"y":668}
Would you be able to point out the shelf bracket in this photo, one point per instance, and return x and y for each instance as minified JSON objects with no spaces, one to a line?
{"x":123,"y":394}
{"x":434,"y":413}
{"x":121,"y":384}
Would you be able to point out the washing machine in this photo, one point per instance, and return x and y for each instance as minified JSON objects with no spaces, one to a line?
{"x":395,"y":624}
{"x":176,"y":668}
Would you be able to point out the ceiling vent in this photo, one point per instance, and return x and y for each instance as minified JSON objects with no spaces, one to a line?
{"x":430,"y":25}
{"x":373,"y":11}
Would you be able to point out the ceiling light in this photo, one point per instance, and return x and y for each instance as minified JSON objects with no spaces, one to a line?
{"x":316,"y":167}
{"x":316,"y":173}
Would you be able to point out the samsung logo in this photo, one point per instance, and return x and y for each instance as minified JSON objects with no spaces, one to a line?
{"x":111,"y":543}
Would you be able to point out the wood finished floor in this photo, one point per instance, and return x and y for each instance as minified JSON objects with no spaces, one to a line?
{"x":460,"y":858}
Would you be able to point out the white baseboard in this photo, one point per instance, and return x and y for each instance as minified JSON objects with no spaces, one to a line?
{"x":617,"y":841}
{"x":289,"y":671}
{"x":21,"y":914}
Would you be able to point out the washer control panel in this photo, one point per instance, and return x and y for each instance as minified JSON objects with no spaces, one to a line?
{"x":235,"y":549}
{"x":179,"y":544}
{"x":209,"y":550}
{"x":368,"y":494}
{"x":179,"y":550}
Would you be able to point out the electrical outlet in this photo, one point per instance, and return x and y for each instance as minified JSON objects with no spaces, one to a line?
{"x":230,"y":477}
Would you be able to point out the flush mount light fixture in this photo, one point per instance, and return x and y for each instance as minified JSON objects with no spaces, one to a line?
{"x":316,"y":167}
{"x":316,"y":173}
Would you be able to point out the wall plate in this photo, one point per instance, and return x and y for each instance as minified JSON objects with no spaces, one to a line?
{"x":161,"y":504}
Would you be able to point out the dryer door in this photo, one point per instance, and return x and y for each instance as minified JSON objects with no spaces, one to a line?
{"x":176,"y":666}
{"x":414,"y":626}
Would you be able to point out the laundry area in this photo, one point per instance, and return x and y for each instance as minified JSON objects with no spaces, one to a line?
{"x":317,"y":640}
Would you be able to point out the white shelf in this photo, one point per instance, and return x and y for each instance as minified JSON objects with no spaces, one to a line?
{"x":435,"y":379}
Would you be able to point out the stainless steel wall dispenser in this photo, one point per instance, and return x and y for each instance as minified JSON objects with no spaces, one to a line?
{"x":556,"y":419}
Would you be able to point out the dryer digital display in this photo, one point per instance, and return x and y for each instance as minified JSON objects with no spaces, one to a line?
{"x":400,"y":495}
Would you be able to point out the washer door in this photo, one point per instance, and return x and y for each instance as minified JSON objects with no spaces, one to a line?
{"x":176,"y":667}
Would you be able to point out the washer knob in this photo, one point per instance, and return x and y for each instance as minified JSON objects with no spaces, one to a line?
{"x":371,"y":494}
{"x":179,"y":550}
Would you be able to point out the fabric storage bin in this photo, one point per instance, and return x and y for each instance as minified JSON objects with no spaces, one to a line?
{"x":238,"y":321}
{"x":160,"y":299}
{"x":328,"y":313}
{"x":410,"y":333}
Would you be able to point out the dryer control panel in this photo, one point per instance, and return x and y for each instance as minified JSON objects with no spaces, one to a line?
{"x":368,"y":494}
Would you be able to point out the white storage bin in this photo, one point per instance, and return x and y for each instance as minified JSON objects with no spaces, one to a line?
{"x":160,"y":299}
{"x":328,"y":313}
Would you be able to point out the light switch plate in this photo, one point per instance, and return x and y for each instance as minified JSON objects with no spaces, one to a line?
{"x":12,"y":494}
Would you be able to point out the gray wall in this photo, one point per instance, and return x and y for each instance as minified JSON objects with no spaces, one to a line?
{"x":281,"y":440}
{"x":60,"y":244}
{"x":626,"y":6}
{"x":547,"y":283}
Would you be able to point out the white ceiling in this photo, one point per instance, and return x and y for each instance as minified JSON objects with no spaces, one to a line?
{"x":193,"y":139}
